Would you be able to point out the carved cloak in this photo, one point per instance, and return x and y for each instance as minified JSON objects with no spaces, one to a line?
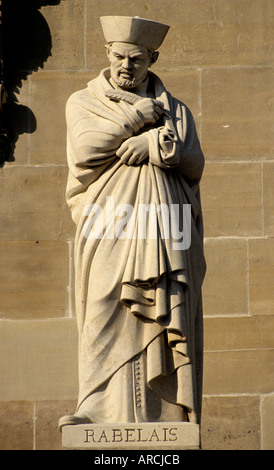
{"x":135,"y":294}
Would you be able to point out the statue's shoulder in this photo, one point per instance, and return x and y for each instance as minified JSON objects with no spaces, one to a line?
{"x":83,"y":96}
{"x":160,"y":87}
{"x":79,"y":97}
{"x":178,"y":106}
{"x":77,"y":104}
{"x":176,"y":102}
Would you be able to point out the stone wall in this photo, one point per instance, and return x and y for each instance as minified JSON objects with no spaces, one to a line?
{"x":217,"y":59}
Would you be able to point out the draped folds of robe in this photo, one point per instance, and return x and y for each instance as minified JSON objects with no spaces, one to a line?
{"x":135,"y":291}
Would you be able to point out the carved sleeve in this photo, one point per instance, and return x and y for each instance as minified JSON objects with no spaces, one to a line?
{"x":179,"y":147}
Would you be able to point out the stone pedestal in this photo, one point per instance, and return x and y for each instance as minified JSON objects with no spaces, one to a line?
{"x":131,"y":436}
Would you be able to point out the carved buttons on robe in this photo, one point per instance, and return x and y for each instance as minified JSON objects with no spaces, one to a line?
{"x":137,"y":377}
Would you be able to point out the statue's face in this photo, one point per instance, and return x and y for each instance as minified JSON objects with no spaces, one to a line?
{"x":129,"y":64}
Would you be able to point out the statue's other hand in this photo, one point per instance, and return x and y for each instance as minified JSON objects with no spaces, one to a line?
{"x":150,"y":109}
{"x":133,"y":150}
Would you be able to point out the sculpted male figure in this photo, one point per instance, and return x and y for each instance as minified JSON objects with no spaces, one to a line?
{"x":138,"y":297}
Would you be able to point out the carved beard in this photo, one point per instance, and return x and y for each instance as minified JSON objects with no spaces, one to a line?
{"x":126,"y":84}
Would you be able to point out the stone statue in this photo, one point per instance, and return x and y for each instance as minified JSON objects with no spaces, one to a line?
{"x":135,"y":164}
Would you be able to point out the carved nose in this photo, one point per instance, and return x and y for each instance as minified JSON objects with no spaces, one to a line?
{"x":127,"y":63}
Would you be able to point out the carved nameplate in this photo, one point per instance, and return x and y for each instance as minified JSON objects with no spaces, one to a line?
{"x":131,"y":436}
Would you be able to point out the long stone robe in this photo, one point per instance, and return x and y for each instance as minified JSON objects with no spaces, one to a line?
{"x":136,"y":296}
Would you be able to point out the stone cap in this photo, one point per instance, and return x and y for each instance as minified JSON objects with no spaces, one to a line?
{"x":134,"y":30}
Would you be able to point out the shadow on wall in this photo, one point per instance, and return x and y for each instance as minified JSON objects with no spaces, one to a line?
{"x":26,"y":47}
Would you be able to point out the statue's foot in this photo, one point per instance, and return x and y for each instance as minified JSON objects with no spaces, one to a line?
{"x":70,"y":420}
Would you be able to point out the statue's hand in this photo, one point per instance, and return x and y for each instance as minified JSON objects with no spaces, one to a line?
{"x":133,"y":150}
{"x":150,"y":109}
